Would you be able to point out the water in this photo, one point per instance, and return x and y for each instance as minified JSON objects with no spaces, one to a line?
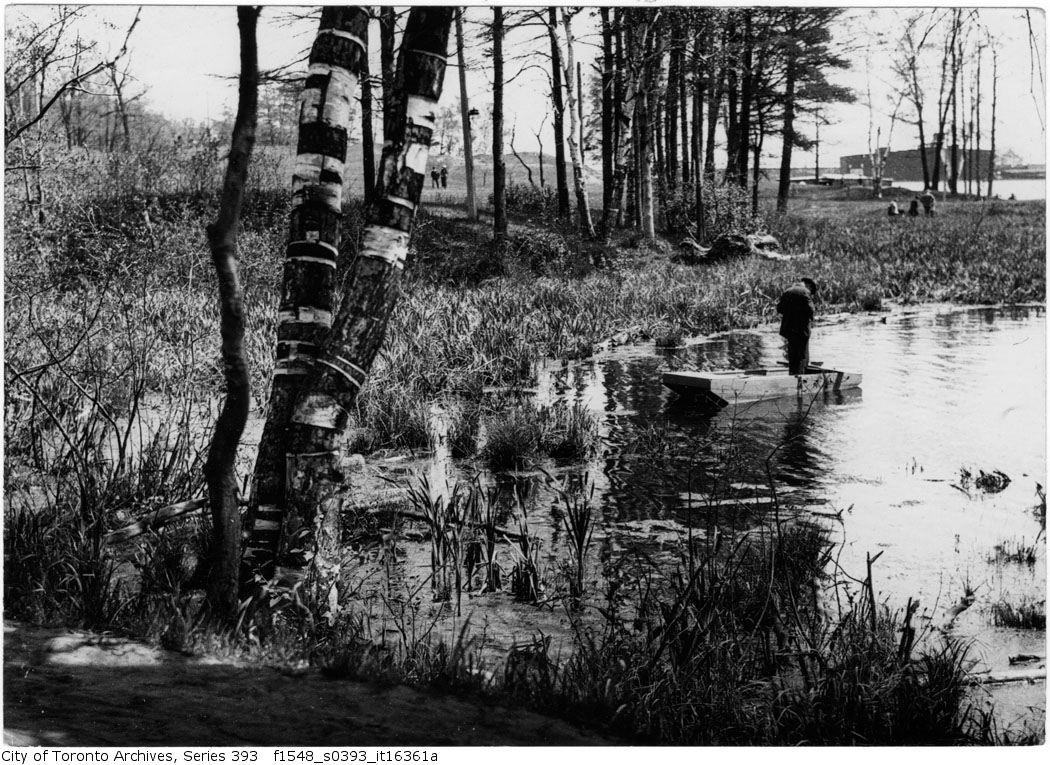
{"x":1021,"y":188}
{"x":945,"y":389}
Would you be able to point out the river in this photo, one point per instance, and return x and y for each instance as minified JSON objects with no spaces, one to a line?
{"x":1021,"y":188}
{"x":946,"y":391}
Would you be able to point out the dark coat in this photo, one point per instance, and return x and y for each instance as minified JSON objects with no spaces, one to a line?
{"x":796,"y":310}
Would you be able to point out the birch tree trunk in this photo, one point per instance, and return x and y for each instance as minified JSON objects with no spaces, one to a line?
{"x":371,"y":289}
{"x":219,"y":470}
{"x":608,"y":140}
{"x":368,"y":151}
{"x":308,"y":286}
{"x":574,"y":150}
{"x":559,"y":116}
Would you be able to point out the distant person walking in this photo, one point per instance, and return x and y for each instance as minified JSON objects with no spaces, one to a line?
{"x":796,"y":311}
{"x":444,"y":177}
{"x":913,"y":211}
{"x":928,"y":203}
{"x":433,"y":177}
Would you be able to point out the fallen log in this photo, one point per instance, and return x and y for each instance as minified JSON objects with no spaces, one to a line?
{"x":1005,"y":676}
{"x":157,"y":519}
{"x":387,"y":502}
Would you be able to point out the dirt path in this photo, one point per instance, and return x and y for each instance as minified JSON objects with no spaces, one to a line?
{"x":77,"y":689}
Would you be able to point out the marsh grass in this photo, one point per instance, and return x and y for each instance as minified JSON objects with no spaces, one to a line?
{"x":1023,"y":615}
{"x":1016,"y":551}
{"x":525,"y":431}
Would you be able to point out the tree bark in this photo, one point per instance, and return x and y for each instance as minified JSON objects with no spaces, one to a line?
{"x":683,"y":109}
{"x":370,"y":293}
{"x":995,"y":94}
{"x":784,"y":185}
{"x":582,"y":207}
{"x":717,"y":88}
{"x":977,"y":141}
{"x":560,"y":176}
{"x":643,"y":126}
{"x":387,"y":25}
{"x":220,"y":468}
{"x":671,"y":107}
{"x":625,"y":82}
{"x":307,"y":293}
{"x":747,"y":84}
{"x":953,"y":172}
{"x":608,"y":138}
{"x":499,"y":168}
{"x":464,"y":111}
{"x":368,"y":152}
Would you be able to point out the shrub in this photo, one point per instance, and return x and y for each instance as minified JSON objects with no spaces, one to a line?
{"x":526,"y":199}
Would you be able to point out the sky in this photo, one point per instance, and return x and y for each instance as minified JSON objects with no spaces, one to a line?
{"x":186,"y":58}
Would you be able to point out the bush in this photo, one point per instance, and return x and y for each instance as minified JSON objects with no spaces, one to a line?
{"x":525,"y":199}
{"x":726,"y":209}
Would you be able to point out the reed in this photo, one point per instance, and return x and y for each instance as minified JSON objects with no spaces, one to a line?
{"x":1023,"y":615}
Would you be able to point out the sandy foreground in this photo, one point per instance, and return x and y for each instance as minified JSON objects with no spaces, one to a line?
{"x":65,"y":688}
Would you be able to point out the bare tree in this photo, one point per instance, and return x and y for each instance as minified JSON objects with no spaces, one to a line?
{"x":219,"y":470}
{"x":34,"y":59}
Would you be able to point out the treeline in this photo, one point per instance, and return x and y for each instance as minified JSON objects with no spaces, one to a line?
{"x":668,"y":81}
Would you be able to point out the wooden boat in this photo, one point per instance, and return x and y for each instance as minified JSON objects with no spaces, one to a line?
{"x":757,"y":384}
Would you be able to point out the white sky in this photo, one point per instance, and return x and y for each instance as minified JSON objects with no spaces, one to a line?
{"x":184,"y":56}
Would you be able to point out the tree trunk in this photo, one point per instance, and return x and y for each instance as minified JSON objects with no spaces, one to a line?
{"x":625,"y":103}
{"x":368,"y":152}
{"x":683,"y":110}
{"x":608,"y":140}
{"x":220,"y":469}
{"x":387,"y":24}
{"x":995,"y":93}
{"x":370,"y":292}
{"x":574,"y":151}
{"x":559,"y":117}
{"x":698,"y":126}
{"x":747,"y":84}
{"x":621,"y":122}
{"x":579,"y":106}
{"x":499,"y":169}
{"x":977,"y":153}
{"x":756,"y":170}
{"x":308,"y":285}
{"x":643,"y":127}
{"x":953,"y":171}
{"x":943,"y":103}
{"x":784,"y":185}
{"x":464,"y":110}
{"x":671,"y":107}
{"x":122,"y":110}
{"x":717,"y":80}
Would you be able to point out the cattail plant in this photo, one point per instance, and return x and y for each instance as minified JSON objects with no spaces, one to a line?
{"x":524,"y":577}
{"x":579,"y":528}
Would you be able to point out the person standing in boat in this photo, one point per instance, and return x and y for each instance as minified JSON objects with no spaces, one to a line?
{"x":796,"y":316}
